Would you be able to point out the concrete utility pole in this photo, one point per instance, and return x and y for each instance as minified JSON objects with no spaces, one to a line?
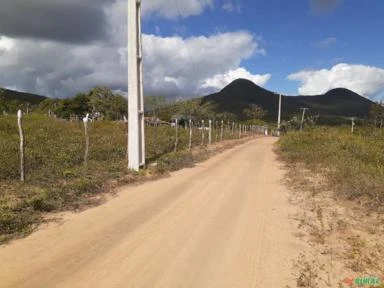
{"x":302,"y":119}
{"x":136,"y":140}
{"x":279,"y":117}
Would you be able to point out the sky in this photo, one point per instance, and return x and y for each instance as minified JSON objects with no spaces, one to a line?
{"x":191,"y":48}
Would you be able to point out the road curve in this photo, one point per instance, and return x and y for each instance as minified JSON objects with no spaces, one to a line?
{"x":224,"y":223}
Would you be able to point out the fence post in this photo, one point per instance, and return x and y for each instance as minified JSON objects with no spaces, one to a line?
{"x":216,"y":134}
{"x":190,"y":134}
{"x":21,"y":134}
{"x":85,"y":120}
{"x":177,"y":134}
{"x":210,"y":132}
{"x":202,"y":133}
{"x":222,"y":130}
{"x":240,"y":130}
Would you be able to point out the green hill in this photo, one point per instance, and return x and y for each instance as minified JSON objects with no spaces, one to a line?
{"x":11,"y":101}
{"x":336,"y":103}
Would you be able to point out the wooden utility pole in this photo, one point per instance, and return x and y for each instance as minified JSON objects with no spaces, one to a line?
{"x":136,"y":140}
{"x":302,"y":118}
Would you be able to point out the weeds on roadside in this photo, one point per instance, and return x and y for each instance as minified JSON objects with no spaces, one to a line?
{"x":353,"y":164}
{"x":56,"y":179}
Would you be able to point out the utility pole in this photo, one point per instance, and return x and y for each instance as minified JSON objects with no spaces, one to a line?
{"x":302,"y":119}
{"x":136,"y":140}
{"x":279,"y":117}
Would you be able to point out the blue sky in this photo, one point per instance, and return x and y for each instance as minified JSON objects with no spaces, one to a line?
{"x":297,"y":35}
{"x":194,"y":47}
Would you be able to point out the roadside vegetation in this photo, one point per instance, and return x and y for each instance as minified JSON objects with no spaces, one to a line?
{"x":336,"y":179}
{"x":58,"y":180}
{"x":352,"y":163}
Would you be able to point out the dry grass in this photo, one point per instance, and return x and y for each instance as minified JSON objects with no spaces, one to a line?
{"x":353,"y":164}
{"x":56,"y":178}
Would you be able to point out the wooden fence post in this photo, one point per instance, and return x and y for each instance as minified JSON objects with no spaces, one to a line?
{"x":177,"y":134}
{"x":202,"y":133}
{"x":21,"y":134}
{"x":190,"y":134}
{"x":210,"y":132}
{"x":240,"y":130}
{"x":86,"y":120}
{"x":216,"y":134}
{"x":222,"y":130}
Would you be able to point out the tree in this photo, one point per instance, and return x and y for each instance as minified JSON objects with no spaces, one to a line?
{"x":78,"y":106}
{"x":195,"y":109}
{"x":48,"y":104}
{"x":254,"y":112}
{"x":377,"y":114}
{"x":153,"y":105}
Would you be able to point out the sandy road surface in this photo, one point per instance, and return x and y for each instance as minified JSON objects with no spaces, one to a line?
{"x":224,"y":223}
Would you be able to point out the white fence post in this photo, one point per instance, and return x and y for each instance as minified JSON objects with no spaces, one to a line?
{"x":21,"y":134}
{"x":85,"y":120}
{"x":210,"y":132}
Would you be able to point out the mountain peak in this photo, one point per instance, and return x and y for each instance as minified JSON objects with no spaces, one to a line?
{"x":240,"y":85}
{"x":342,"y":93}
{"x":241,"y":93}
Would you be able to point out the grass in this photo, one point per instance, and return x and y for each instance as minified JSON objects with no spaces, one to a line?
{"x":353,"y":164}
{"x":56,"y":178}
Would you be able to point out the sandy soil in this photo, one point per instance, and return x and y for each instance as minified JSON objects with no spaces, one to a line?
{"x":224,"y":223}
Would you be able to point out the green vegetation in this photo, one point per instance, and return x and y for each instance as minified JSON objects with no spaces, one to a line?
{"x":377,"y":114}
{"x":56,"y":178}
{"x":353,"y":164}
{"x":100,"y":102}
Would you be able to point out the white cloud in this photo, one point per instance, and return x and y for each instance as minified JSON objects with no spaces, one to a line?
{"x":173,"y":66}
{"x":6,"y":43}
{"x":173,"y":9}
{"x":219,"y":81}
{"x":231,"y":6}
{"x":326,"y":43}
{"x":177,"y":66}
{"x":364,"y":80}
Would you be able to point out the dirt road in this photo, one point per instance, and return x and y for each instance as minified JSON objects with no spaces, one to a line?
{"x":224,"y":223}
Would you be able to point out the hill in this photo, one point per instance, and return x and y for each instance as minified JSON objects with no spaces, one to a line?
{"x":11,"y":100}
{"x":239,"y":94}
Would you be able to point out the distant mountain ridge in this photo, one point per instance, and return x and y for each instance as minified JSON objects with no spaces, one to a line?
{"x":239,"y":94}
{"x":22,"y":97}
